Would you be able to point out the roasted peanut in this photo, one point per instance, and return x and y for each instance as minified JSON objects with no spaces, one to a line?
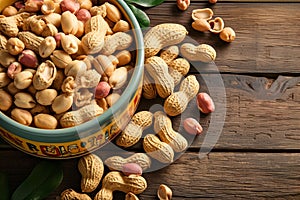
{"x":14,"y":46}
{"x":227,"y":34}
{"x":46,"y":97}
{"x":217,"y":25}
{"x":45,"y":121}
{"x":163,"y":35}
{"x":203,"y":13}
{"x":163,"y":127}
{"x":5,"y":100}
{"x":158,"y":70}
{"x":112,"y":12}
{"x":84,"y":114}
{"x":176,"y":103}
{"x":4,"y":79}
{"x":117,"y":41}
{"x":203,"y":52}
{"x":149,"y":89}
{"x":201,"y":25}
{"x":44,"y":76}
{"x":164,"y":192}
{"x":24,"y":100}
{"x":30,"y":40}
{"x":69,"y":23}
{"x":170,"y":54}
{"x":69,"y":43}
{"x":205,"y":103}
{"x":112,"y":98}
{"x":62,"y":103}
{"x":192,"y":126}
{"x":157,"y":149}
{"x":60,"y":58}
{"x":48,"y":45}
{"x":92,"y":42}
{"x":5,"y":58}
{"x":117,"y":162}
{"x":70,"y":194}
{"x":68,"y":85}
{"x":183,"y":4}
{"x":23,"y":79}
{"x":83,"y":15}
{"x":121,"y":26}
{"x":178,"y":68}
{"x":118,"y":78}
{"x":133,"y":131}
{"x":70,"y":5}
{"x":124,"y":57}
{"x":106,"y":66}
{"x":3,"y":42}
{"x":131,"y":196}
{"x":22,"y":116}
{"x":115,"y":181}
{"x":9,"y":11}
{"x":91,"y":169}
{"x":48,"y":7}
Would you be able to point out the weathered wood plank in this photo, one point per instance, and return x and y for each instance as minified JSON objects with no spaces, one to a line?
{"x":219,"y":175}
{"x":260,"y":113}
{"x":263,"y":44}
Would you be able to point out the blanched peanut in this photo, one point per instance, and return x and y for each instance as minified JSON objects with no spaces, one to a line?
{"x":112,"y":99}
{"x":183,"y":4}
{"x":24,"y":100}
{"x":62,"y":103}
{"x":44,"y":76}
{"x":121,"y":26}
{"x":69,"y":43}
{"x":22,"y":116}
{"x":228,"y":34}
{"x":60,"y":58}
{"x":47,"y":47}
{"x":9,"y":11}
{"x":12,"y":89}
{"x":45,"y":121}
{"x":14,"y":46}
{"x":113,"y":13}
{"x":118,"y":78}
{"x":75,"y":68}
{"x":5,"y":100}
{"x":124,"y":57}
{"x":69,"y":23}
{"x":4,"y":79}
{"x":46,"y":97}
{"x":23,"y":79}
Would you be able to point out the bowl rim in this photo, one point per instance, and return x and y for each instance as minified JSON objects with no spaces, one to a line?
{"x":38,"y":134}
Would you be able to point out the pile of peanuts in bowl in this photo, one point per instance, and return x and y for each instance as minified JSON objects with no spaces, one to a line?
{"x":61,"y":58}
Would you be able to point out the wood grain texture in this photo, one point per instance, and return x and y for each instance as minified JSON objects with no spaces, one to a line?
{"x":263,"y":44}
{"x":258,"y":113}
{"x":219,"y":175}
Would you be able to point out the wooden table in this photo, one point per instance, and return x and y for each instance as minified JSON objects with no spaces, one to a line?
{"x":257,"y":155}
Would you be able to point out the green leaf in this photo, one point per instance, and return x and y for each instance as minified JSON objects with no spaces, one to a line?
{"x":141,"y":16}
{"x":45,"y":177}
{"x":145,"y":3}
{"x":4,"y":189}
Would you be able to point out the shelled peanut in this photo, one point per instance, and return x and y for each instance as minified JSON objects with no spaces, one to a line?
{"x":64,"y":58}
{"x":203,"y":22}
